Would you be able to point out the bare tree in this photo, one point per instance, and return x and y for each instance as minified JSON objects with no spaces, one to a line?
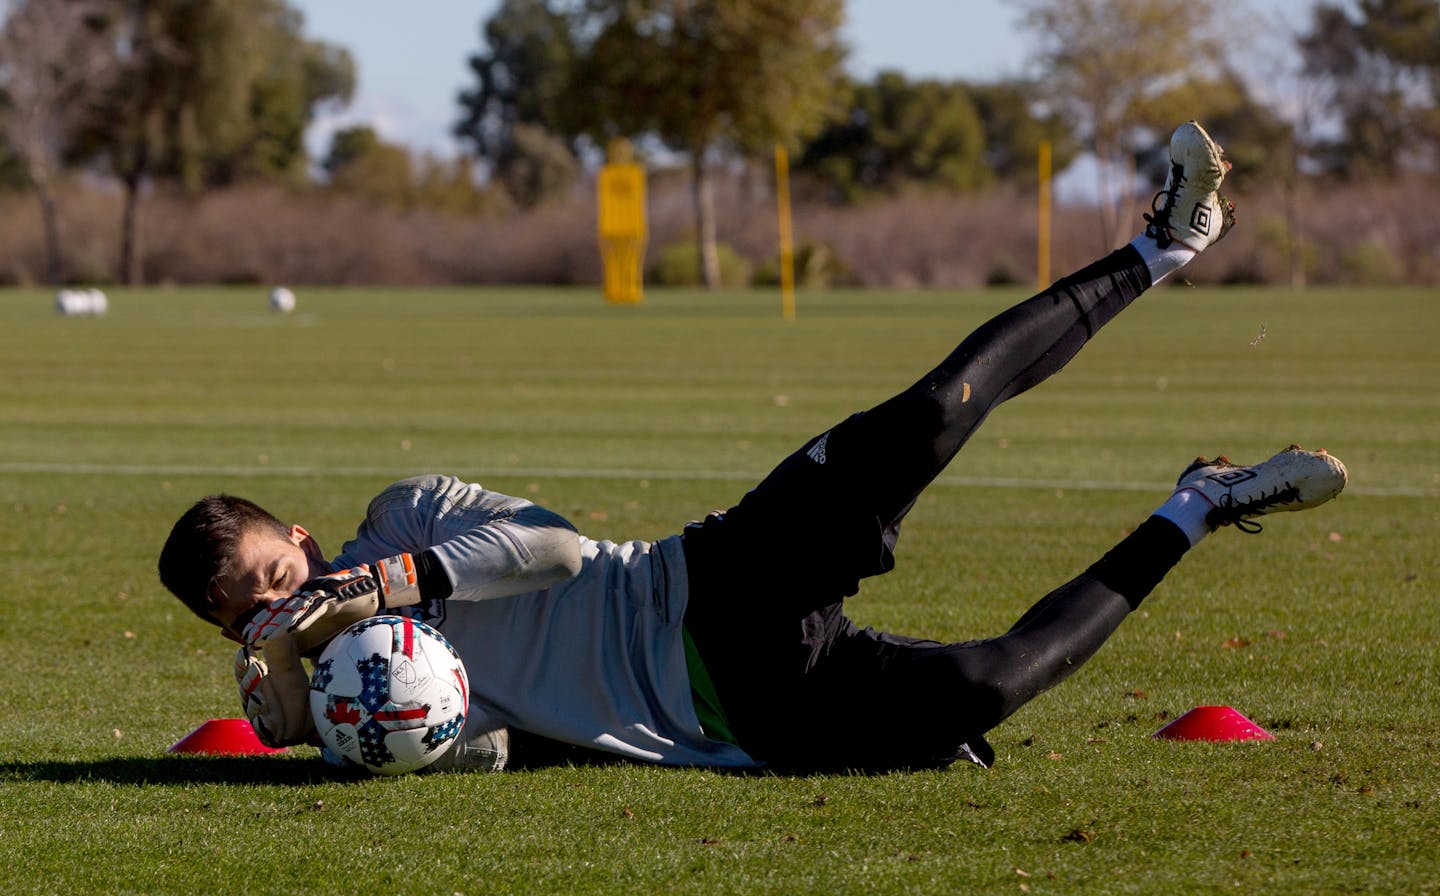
{"x":1103,"y":59}
{"x":1300,"y":98}
{"x":54,"y":59}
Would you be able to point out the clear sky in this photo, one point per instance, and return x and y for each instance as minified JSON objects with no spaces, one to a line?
{"x":412,"y":56}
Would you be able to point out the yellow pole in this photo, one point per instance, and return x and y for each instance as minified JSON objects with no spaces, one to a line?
{"x":787,"y":243}
{"x":1042,"y":266}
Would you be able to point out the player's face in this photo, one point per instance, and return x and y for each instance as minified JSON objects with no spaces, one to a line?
{"x":267,"y":568}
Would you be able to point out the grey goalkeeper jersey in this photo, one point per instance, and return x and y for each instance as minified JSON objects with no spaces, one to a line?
{"x":594,"y":658}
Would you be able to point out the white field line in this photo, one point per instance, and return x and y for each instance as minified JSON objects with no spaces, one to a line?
{"x":28,"y":468}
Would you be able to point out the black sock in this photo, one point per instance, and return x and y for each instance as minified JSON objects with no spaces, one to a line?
{"x":1136,"y":565}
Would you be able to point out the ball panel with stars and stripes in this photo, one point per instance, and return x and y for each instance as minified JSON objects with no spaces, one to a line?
{"x":389,"y":693}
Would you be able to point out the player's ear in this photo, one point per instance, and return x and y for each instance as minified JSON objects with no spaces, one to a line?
{"x":307,"y":543}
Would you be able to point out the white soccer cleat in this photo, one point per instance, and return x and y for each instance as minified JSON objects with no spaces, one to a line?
{"x":483,"y":751}
{"x":1190,"y":210}
{"x":1294,"y":479}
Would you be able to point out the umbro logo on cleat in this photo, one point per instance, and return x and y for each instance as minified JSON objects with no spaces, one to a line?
{"x":1232,"y":477}
{"x":817,"y":451}
{"x":1200,"y":219}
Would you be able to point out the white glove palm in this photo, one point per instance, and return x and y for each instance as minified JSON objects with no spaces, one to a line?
{"x":275,"y":695}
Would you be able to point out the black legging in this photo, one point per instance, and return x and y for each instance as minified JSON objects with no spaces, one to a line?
{"x":794,"y":675}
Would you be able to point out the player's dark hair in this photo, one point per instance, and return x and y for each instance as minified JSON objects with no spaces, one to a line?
{"x":202,"y":546}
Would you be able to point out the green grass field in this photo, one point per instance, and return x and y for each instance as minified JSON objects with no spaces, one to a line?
{"x":1324,"y":629}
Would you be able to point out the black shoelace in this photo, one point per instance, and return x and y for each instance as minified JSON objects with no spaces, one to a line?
{"x":1228,"y":510}
{"x":1160,"y":205}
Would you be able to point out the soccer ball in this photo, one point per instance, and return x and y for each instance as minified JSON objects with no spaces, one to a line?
{"x":390,"y":694}
{"x":282,"y":300}
{"x":81,"y":302}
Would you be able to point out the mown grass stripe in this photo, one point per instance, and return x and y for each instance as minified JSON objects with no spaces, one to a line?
{"x":22,"y":467}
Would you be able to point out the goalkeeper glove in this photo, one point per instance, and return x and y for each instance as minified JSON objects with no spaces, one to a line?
{"x":325,"y":606}
{"x":275,"y":695}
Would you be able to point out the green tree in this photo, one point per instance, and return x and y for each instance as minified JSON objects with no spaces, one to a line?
{"x":348,"y":146}
{"x":299,"y":77}
{"x":536,"y":165}
{"x":208,"y":91}
{"x":361,"y":164}
{"x":707,"y":77}
{"x":1014,"y":129}
{"x":523,"y":75}
{"x":515,"y":117}
{"x":898,"y":134}
{"x":1103,"y":59}
{"x":1381,"y":69}
{"x":450,"y":185}
{"x":1258,"y":142}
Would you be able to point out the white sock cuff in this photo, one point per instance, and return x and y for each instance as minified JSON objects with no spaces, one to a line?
{"x":1187,"y":509}
{"x":1162,"y":262}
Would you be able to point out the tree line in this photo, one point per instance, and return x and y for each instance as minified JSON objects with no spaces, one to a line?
{"x":186,"y":96}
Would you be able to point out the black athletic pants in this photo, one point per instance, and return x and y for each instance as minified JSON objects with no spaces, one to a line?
{"x":802,"y":686}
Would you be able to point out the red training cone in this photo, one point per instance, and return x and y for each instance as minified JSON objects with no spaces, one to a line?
{"x":223,"y":737}
{"x":1213,"y":723}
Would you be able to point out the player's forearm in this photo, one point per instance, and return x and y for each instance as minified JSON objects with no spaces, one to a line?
{"x":530,"y":551}
{"x":485,"y":544}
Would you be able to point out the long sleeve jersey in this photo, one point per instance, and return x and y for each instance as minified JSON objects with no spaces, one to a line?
{"x":576,"y":640}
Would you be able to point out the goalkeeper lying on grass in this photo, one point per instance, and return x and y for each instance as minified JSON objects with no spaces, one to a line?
{"x":727,"y":644}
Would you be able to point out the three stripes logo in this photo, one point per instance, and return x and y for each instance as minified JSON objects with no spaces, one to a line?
{"x":817,"y":451}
